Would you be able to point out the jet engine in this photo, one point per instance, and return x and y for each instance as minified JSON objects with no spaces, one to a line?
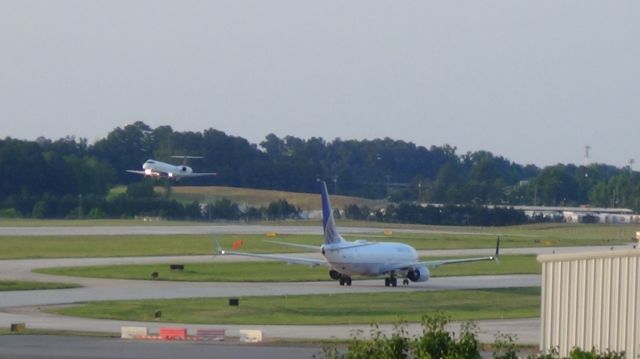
{"x":420,"y":274}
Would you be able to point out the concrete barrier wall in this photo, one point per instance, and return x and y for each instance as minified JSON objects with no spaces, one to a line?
{"x":133,"y":332}
{"x":250,"y":336}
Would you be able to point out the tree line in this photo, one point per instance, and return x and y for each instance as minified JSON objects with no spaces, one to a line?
{"x":454,"y":215}
{"x":70,"y":169}
{"x":141,"y":200}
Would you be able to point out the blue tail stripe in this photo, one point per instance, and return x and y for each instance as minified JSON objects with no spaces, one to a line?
{"x":326,"y":205}
{"x":331,"y":234}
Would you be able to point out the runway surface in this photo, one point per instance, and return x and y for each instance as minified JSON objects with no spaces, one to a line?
{"x":56,"y":347}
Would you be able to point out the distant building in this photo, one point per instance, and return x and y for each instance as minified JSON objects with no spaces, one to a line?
{"x":591,"y":300}
{"x":582,"y":214}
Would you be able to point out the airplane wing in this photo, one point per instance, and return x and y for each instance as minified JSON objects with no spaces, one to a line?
{"x":290,"y":260}
{"x":146,"y":173}
{"x":319,"y":248}
{"x":198,"y":174}
{"x":437,"y":263}
{"x":298,"y":245}
{"x":138,"y":172}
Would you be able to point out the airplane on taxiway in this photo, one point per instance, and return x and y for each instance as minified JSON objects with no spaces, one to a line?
{"x":361,"y":257}
{"x":154,"y":168}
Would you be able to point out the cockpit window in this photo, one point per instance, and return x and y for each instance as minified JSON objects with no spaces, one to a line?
{"x":150,"y":161}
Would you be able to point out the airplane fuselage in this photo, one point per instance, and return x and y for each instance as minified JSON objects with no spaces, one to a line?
{"x":368,"y":258}
{"x":157,"y":168}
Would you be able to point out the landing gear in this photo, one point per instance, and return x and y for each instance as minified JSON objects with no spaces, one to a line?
{"x":405,"y":281}
{"x":345,"y":280}
{"x":341,"y":278}
{"x":335,"y":275}
{"x":393,"y":282}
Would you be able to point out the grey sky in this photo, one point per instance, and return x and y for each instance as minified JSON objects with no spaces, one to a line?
{"x":533,"y":81}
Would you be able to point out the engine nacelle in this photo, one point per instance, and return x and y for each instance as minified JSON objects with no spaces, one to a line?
{"x":419,"y":275}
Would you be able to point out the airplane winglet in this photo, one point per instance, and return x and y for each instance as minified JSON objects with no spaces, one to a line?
{"x":496,"y":257}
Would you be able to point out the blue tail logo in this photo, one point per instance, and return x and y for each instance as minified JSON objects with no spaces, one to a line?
{"x":331,"y":235}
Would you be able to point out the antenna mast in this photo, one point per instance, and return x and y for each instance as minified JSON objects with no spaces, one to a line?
{"x":586,"y":155}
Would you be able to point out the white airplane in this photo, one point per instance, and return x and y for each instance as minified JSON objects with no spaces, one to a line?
{"x":361,"y":257}
{"x":153,"y":168}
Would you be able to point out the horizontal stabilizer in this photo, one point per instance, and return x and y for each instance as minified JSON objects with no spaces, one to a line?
{"x":188,"y":157}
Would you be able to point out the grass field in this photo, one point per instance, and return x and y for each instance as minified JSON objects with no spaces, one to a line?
{"x":323,"y":309}
{"x":255,"y":197}
{"x":277,"y":272}
{"x":14,"y":247}
{"x":6,"y":285}
{"x":29,"y":222}
{"x":17,"y":247}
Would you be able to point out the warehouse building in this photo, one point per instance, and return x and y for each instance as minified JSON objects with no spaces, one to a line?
{"x":591,"y":300}
{"x":582,"y":214}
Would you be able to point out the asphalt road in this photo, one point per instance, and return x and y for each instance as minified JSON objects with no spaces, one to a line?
{"x":57,"y":347}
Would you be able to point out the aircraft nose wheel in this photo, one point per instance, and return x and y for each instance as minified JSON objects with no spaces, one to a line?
{"x":405,"y":282}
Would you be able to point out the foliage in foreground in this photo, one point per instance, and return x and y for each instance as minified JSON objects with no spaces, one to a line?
{"x":437,"y":342}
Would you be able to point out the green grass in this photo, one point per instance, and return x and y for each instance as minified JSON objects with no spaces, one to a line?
{"x":30,"y":222}
{"x":277,"y":272}
{"x":323,"y":309}
{"x":260,"y":197}
{"x":7,"y":285}
{"x":254,"y":197}
{"x":15,"y":247}
{"x":18,"y":247}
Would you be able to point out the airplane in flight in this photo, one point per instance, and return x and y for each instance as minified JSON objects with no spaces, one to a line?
{"x":154,"y":168}
{"x":361,"y":257}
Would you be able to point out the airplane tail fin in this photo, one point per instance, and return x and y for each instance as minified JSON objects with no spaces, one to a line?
{"x":331,"y":235}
